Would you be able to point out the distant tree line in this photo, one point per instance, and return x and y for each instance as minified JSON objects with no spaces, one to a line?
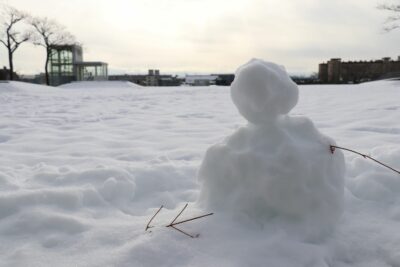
{"x":18,"y":27}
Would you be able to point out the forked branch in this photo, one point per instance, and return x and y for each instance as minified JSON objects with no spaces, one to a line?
{"x":174,"y":223}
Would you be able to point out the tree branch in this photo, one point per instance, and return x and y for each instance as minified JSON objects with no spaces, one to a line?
{"x":332,"y":147}
{"x":148,"y":224}
{"x":394,"y":8}
{"x":394,"y":19}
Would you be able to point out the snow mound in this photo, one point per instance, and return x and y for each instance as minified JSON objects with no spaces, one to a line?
{"x":83,"y":171}
{"x":13,"y":86}
{"x":278,"y":165}
{"x":262,"y":90}
{"x":100,"y":85}
{"x":377,"y":184}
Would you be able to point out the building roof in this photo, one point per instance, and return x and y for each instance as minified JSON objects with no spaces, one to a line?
{"x":91,"y":63}
{"x":66,"y":46}
{"x":200,"y":77}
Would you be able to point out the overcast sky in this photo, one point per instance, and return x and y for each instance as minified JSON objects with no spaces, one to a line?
{"x":213,"y":35}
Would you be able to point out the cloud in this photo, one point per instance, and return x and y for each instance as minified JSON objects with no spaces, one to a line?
{"x":216,"y":35}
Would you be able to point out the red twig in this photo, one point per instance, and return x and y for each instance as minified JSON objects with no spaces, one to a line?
{"x":183,"y":232}
{"x":178,"y":214}
{"x":195,"y":218}
{"x":173,"y":223}
{"x":148,"y":224}
{"x":332,"y":147}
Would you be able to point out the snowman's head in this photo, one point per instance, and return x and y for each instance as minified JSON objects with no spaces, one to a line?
{"x":262,"y":91}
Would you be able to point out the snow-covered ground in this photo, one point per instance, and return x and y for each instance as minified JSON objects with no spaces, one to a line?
{"x":83,"y":168}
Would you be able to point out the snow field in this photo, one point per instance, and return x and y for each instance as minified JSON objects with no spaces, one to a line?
{"x":82,"y":171}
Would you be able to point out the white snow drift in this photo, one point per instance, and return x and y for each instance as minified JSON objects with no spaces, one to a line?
{"x":82,"y":171}
{"x":110,"y":85}
{"x":277,"y":165}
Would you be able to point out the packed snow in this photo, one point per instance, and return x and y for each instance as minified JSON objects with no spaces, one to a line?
{"x":262,"y":91}
{"x":83,"y":171}
{"x":98,"y":85}
{"x":277,"y":166}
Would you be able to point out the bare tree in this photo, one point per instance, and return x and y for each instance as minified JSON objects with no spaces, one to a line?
{"x":48,"y":34}
{"x":12,"y":37}
{"x":393,"y":21}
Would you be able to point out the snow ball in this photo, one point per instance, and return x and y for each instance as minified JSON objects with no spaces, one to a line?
{"x":279,"y":168}
{"x":263,"y":90}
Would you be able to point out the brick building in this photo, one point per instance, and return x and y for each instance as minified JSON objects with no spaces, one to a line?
{"x":338,"y":71}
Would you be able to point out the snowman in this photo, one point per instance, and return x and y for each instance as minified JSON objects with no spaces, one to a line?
{"x":277,"y":165}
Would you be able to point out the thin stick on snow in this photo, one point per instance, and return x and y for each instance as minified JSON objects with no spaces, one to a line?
{"x":364,"y":156}
{"x":183,"y":232}
{"x":195,"y":218}
{"x":148,"y":224}
{"x":173,"y":223}
{"x":178,"y":214}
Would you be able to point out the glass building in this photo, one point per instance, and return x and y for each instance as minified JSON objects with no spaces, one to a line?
{"x":66,"y":65}
{"x":92,"y":71}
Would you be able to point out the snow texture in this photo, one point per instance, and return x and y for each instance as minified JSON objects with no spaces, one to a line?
{"x":82,"y":171}
{"x":100,"y":85}
{"x":279,"y":166}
